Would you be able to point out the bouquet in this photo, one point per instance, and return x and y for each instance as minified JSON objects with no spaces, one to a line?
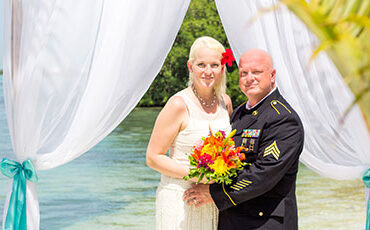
{"x":216,"y":158}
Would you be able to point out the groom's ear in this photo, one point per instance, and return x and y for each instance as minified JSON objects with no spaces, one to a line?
{"x":190,"y":66}
{"x":273,"y":75}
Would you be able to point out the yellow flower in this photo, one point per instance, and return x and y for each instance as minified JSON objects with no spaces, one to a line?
{"x":219,"y":166}
{"x":209,"y":149}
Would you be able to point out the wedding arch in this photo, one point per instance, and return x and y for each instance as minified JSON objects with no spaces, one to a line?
{"x":64,"y":94}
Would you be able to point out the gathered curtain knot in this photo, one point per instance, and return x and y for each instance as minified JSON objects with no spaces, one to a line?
{"x":366,"y":179}
{"x":16,"y":217}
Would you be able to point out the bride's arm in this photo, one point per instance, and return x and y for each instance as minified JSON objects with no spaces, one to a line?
{"x":170,"y":121}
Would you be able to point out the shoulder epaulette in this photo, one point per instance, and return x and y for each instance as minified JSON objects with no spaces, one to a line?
{"x":275,"y":104}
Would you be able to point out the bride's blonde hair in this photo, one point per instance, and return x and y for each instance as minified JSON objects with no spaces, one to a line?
{"x":211,"y":43}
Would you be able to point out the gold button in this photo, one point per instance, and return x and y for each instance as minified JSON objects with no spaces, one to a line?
{"x":274,"y":102}
{"x":255,"y":112}
{"x":260,"y":214}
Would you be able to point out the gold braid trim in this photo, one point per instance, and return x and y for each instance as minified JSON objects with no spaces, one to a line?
{"x":272,"y":105}
{"x":223,"y":187}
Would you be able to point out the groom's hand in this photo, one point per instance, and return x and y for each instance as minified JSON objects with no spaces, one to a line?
{"x":198,"y":195}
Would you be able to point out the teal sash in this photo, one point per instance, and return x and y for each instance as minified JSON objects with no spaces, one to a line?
{"x":366,"y":179}
{"x":16,"y":218}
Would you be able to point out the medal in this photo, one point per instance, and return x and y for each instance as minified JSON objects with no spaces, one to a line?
{"x":244,"y":142}
{"x":251,"y":145}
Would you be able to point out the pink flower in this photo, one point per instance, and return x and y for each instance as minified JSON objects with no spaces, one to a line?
{"x":205,"y":160}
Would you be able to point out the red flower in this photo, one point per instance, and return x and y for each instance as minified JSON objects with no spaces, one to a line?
{"x":215,"y":157}
{"x":227,"y":57}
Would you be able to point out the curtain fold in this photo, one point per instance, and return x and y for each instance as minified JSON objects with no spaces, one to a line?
{"x":73,"y":70}
{"x":316,"y":90}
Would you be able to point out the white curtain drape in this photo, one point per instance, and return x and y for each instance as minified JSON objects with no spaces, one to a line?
{"x":316,"y":91}
{"x":74,"y":69}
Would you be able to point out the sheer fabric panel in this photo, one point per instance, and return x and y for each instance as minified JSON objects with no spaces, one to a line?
{"x":73,"y":70}
{"x":316,"y":90}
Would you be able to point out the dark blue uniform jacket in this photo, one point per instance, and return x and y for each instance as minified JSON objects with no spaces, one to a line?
{"x":262,"y":196}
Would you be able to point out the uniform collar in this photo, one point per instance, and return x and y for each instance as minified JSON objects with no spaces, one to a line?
{"x":261,"y":105}
{"x":249,"y":107}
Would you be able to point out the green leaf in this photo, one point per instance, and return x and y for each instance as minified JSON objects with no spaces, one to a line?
{"x":200,"y":178}
{"x":343,"y":29}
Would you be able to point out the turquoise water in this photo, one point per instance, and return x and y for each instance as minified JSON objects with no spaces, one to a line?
{"x":109,"y":187}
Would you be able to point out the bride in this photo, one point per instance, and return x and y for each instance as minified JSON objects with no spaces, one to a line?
{"x":180,"y":125}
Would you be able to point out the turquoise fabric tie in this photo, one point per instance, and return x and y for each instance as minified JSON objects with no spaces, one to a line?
{"x":16,"y":218}
{"x":366,"y":179}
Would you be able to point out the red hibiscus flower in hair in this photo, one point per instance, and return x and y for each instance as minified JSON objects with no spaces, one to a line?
{"x":227,"y":57}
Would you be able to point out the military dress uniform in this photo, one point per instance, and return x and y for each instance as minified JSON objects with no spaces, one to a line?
{"x":262,"y":196}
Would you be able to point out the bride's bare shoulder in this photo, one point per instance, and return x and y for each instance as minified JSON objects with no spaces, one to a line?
{"x":176,"y":103}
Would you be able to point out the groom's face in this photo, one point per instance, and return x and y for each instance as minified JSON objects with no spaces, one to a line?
{"x":256,"y":75}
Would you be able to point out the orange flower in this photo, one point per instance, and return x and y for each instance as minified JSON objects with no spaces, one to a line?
{"x":216,"y":157}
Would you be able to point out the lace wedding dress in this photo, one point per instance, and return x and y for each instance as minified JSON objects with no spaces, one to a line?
{"x":172,"y":212}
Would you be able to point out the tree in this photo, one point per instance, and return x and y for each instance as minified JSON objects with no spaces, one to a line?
{"x":201,"y":20}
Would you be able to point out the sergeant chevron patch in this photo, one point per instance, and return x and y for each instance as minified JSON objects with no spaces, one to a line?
{"x":241,"y":184}
{"x":272,"y":149}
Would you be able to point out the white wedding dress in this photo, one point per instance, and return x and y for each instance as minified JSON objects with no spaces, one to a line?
{"x":172,"y":212}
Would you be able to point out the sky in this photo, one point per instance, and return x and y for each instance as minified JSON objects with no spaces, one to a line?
{"x":1,"y":33}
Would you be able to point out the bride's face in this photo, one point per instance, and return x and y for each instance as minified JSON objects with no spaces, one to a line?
{"x":206,"y":68}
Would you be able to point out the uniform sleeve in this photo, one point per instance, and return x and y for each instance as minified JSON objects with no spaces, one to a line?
{"x":280,"y":146}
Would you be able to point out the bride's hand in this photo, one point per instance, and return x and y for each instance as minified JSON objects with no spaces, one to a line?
{"x":198,"y":195}
{"x":203,"y":181}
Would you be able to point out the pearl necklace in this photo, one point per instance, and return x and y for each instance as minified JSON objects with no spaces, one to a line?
{"x":204,"y":102}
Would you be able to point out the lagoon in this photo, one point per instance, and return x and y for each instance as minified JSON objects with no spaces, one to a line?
{"x":110,"y":187}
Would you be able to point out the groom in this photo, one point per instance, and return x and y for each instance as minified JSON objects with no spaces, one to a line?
{"x":262,"y":196}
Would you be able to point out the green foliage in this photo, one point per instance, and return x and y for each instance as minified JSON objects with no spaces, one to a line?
{"x":216,"y":158}
{"x":343,"y":28}
{"x":202,"y":19}
{"x":202,"y":172}
{"x":233,"y":90}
